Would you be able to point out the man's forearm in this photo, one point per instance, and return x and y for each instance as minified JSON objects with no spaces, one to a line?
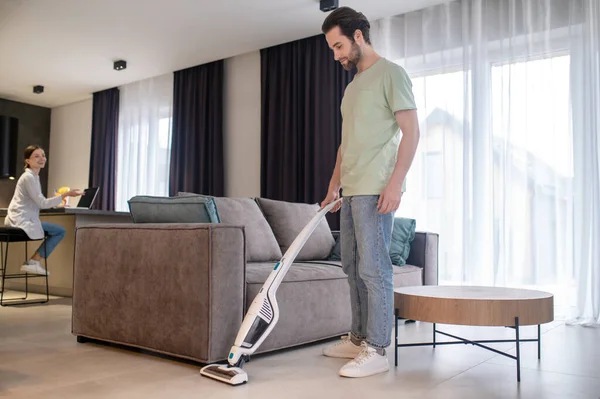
{"x":406,"y":154}
{"x":335,"y":183}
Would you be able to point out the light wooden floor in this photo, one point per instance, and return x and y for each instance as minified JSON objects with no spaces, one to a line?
{"x":39,"y":358}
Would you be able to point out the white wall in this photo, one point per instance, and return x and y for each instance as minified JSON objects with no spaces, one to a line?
{"x":70,"y":141}
{"x":242,"y":125}
{"x":71,"y":131}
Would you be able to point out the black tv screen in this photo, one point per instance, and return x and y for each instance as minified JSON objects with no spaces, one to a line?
{"x":9,"y":130}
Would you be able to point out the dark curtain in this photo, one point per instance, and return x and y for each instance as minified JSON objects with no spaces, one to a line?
{"x":302,"y":88}
{"x":103,"y":154}
{"x":197,"y":159}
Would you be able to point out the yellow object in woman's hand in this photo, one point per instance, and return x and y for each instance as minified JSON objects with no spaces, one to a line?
{"x":61,"y":191}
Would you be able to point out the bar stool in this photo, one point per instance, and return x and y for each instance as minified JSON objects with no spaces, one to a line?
{"x":14,"y":234}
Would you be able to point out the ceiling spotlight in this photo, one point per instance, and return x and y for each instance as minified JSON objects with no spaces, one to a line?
{"x":120,"y":65}
{"x":38,"y":89}
{"x":328,"y":5}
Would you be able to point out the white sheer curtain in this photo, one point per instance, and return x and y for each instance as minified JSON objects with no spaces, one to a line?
{"x":145,"y":115}
{"x":507,"y":169}
{"x":586,"y":122}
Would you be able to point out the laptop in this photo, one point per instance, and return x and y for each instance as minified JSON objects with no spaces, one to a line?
{"x":87,"y":199}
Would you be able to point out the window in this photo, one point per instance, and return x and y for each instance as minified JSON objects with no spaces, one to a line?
{"x":144,"y":139}
{"x":531,"y":110}
{"x":434,"y":175}
{"x":434,"y":195}
{"x":533,"y":167}
{"x":493,"y":174}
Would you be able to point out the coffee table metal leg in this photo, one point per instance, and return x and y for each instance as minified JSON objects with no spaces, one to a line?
{"x":518,"y":349}
{"x":396,"y":333}
{"x":539,"y":342}
{"x":434,"y":331}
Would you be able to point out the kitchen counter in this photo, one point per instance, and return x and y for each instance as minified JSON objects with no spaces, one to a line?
{"x":60,"y":262}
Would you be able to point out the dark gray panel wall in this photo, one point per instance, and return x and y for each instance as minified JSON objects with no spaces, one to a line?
{"x":34,"y":128}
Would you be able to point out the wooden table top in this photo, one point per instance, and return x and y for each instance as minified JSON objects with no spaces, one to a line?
{"x":474,"y":305}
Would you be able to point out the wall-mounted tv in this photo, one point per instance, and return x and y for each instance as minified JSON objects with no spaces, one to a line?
{"x":9,"y":132}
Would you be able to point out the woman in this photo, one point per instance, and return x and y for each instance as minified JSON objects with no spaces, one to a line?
{"x":24,"y":210}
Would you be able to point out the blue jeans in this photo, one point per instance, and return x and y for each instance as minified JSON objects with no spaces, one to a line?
{"x":365,"y":245}
{"x":55,"y":234}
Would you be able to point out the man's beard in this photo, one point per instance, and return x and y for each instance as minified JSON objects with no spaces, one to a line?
{"x":353,"y":58}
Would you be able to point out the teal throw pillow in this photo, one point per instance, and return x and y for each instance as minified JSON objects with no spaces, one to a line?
{"x":153,"y":209}
{"x":403,"y":234}
{"x":209,"y":203}
{"x":336,"y":251}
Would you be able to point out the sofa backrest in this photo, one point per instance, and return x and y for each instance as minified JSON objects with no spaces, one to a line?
{"x":270,"y":226}
{"x":287,"y":219}
{"x":261,"y":245}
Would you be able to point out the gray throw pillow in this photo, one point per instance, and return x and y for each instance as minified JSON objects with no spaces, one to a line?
{"x":261,"y":245}
{"x":287,"y":219}
{"x":151,"y":209}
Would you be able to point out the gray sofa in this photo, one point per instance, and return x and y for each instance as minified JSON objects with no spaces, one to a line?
{"x":183,"y":288}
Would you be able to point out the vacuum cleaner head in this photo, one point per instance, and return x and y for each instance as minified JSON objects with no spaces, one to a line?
{"x":225,"y":373}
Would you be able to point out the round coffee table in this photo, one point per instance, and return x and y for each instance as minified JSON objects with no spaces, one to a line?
{"x":474,"y":306}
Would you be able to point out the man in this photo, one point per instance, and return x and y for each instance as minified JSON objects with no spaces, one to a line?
{"x":371,"y":167}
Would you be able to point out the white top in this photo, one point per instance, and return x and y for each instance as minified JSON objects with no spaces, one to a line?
{"x":24,"y":209}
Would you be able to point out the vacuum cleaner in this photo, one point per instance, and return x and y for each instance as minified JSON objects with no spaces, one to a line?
{"x":263,"y":313}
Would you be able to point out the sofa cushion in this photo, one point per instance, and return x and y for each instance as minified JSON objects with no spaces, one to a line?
{"x":408,"y":276}
{"x":211,"y":206}
{"x":152,"y":209}
{"x":310,"y":295}
{"x":404,"y":276}
{"x":402,"y":235}
{"x":258,"y":272}
{"x":261,"y":245}
{"x":287,"y":219}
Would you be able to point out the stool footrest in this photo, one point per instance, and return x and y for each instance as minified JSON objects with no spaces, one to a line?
{"x":23,"y":275}
{"x":15,"y":302}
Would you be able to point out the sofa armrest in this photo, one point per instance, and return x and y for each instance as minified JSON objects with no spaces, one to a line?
{"x":424,"y":254}
{"x":177,"y":289}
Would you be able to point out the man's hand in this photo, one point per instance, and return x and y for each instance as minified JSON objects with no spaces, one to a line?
{"x":389,"y":200}
{"x":332,"y":195}
{"x":333,"y":192}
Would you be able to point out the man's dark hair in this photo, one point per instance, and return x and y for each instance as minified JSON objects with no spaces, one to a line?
{"x":349,"y":21}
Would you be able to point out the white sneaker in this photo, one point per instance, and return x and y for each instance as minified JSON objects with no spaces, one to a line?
{"x":368,"y":362}
{"x":343,"y":349}
{"x":34,"y":267}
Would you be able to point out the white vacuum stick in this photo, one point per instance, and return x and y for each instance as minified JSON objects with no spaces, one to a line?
{"x":263,"y":313}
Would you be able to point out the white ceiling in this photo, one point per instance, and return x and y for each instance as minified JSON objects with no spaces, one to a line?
{"x":69,"y":46}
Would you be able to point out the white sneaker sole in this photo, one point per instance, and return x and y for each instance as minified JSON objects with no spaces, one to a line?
{"x":356,"y":373}
{"x":34,"y":270}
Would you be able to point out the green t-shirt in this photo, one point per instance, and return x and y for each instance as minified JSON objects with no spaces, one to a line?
{"x":370,"y":134}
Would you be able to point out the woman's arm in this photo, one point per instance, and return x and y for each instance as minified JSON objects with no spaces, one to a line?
{"x":34,"y":191}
